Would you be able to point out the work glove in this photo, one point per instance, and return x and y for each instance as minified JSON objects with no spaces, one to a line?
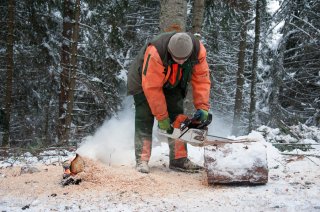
{"x":201,"y":115}
{"x":164,"y":124}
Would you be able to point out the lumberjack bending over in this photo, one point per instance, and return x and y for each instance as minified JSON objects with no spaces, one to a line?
{"x":158,"y":80}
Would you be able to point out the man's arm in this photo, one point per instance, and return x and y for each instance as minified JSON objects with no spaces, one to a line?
{"x":153,"y":78}
{"x":201,"y":81}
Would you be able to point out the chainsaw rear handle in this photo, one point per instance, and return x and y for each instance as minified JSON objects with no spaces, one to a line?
{"x":190,"y":123}
{"x":170,"y":131}
{"x":206,"y":122}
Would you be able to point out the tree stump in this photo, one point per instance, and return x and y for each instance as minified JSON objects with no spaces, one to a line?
{"x":237,"y":163}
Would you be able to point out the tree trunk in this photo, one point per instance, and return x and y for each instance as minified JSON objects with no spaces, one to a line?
{"x":197,"y":19}
{"x":73,"y":71}
{"x":173,"y":15}
{"x":48,"y":111}
{"x":65,"y":65}
{"x":252,"y":109}
{"x":240,"y":74}
{"x":10,"y":64}
{"x":277,"y":72}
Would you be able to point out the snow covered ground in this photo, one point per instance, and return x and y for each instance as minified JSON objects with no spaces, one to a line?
{"x":111,"y":183}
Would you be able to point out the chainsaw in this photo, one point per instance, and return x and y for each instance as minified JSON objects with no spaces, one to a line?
{"x":195,"y":133}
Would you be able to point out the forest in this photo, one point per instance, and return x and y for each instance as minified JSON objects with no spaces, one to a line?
{"x":63,"y":64}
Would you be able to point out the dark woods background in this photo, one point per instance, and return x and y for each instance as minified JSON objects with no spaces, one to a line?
{"x":63,"y":63}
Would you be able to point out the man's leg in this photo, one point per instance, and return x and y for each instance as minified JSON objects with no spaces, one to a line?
{"x":174,"y":101}
{"x":178,"y":150}
{"x":143,"y":132}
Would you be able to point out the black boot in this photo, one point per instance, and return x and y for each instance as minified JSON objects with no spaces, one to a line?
{"x":143,"y":167}
{"x":185,"y":165}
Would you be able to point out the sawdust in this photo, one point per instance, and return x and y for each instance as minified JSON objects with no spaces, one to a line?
{"x":122,"y":182}
{"x":124,"y":179}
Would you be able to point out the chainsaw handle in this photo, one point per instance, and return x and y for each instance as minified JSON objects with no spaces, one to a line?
{"x":194,"y":123}
{"x":170,"y":131}
{"x":185,"y":124}
{"x":196,"y":116}
{"x":206,"y":122}
{"x":189,"y":121}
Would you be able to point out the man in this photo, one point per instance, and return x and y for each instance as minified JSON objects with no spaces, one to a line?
{"x":158,"y":80}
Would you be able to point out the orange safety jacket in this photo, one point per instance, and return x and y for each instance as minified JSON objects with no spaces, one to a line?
{"x":155,"y":75}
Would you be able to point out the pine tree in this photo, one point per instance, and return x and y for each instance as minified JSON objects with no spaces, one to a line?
{"x":9,"y":81}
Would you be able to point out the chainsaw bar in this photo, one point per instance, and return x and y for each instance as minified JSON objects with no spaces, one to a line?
{"x":199,"y":137}
{"x":196,"y":134}
{"x":223,"y":140}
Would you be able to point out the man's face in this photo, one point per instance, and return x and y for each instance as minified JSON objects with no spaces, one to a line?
{"x":179,"y":61}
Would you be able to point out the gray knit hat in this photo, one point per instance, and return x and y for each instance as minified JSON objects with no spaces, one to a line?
{"x":180,"y":45}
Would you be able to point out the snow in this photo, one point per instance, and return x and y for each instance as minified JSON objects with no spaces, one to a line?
{"x":123,"y":75}
{"x":251,"y":33}
{"x":96,"y":79}
{"x":273,"y":6}
{"x":293,"y":186}
{"x":275,"y":36}
{"x":239,"y":160}
{"x":57,"y":14}
{"x":111,"y":182}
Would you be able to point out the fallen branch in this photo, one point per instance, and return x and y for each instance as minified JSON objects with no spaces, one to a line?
{"x":43,"y":148}
{"x":6,"y":152}
{"x":305,"y":155}
{"x":294,"y":144}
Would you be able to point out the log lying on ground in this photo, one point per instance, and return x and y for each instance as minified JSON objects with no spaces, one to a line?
{"x":237,"y":163}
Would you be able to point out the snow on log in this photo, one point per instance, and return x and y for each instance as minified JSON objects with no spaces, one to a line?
{"x":243,"y":163}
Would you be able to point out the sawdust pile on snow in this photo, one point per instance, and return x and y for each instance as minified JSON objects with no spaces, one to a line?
{"x":93,"y":172}
{"x":14,"y":183}
{"x":126,"y":179}
{"x":122,"y":182}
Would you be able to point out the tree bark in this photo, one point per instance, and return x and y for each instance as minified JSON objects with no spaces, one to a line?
{"x":277,"y":71}
{"x":173,"y":15}
{"x":10,"y":66}
{"x":240,"y":73}
{"x":65,"y":65}
{"x":198,"y":11}
{"x":73,"y":71}
{"x":252,"y":109}
{"x":197,"y":19}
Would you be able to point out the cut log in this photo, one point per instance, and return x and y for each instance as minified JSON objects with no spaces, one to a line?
{"x":237,"y":163}
{"x":77,"y":165}
{"x":73,"y":166}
